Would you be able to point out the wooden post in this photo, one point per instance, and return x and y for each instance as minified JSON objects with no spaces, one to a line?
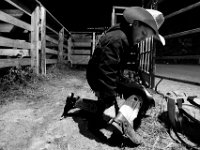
{"x":60,"y":46}
{"x":113,"y":17}
{"x":154,"y":5}
{"x":69,"y":50}
{"x":153,"y":63}
{"x":35,"y":40}
{"x":43,"y":40}
{"x":93,"y":42}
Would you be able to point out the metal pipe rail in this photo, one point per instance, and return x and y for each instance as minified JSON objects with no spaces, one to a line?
{"x":183,"y":10}
{"x":174,"y":35}
{"x":54,"y":18}
{"x":179,"y":34}
{"x":28,"y":12}
{"x":178,"y":80}
{"x":190,"y":7}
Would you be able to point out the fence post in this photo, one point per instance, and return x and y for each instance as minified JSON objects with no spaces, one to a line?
{"x":35,"y":40}
{"x":153,"y":62}
{"x":43,"y":39}
{"x":69,"y":50}
{"x":60,"y":46}
{"x":93,"y":42}
{"x":113,"y":17}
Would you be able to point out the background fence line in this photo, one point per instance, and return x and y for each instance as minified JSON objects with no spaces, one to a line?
{"x":32,"y":41}
{"x":41,"y":39}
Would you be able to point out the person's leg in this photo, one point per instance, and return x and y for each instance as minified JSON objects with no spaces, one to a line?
{"x":124,"y":121}
{"x":136,"y":103}
{"x":133,"y":88}
{"x":97,"y":121}
{"x":98,"y":117}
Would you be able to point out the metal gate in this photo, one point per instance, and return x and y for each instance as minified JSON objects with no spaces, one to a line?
{"x":149,"y":50}
{"x":182,"y":44}
{"x":146,"y":53}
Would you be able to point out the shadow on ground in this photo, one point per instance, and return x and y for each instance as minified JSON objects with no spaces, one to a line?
{"x":91,"y":127}
{"x":187,"y":133}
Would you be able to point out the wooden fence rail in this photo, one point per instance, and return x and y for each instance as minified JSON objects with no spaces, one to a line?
{"x":27,"y":38}
{"x":83,"y":45}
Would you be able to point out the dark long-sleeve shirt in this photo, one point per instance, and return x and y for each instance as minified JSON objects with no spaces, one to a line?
{"x":107,"y":62}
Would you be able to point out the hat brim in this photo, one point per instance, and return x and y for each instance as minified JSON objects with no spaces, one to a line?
{"x":146,"y":16}
{"x":160,"y":38}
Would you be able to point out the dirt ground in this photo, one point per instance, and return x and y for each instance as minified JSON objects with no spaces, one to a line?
{"x":31,"y":121}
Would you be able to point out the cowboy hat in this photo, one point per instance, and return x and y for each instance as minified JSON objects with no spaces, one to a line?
{"x":153,"y":18}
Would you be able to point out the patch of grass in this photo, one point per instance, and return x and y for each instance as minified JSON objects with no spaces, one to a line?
{"x":22,"y":81}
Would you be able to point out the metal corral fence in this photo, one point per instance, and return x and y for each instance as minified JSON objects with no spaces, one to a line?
{"x":145,"y":55}
{"x":149,"y":50}
{"x":182,"y":40}
{"x":31,"y":35}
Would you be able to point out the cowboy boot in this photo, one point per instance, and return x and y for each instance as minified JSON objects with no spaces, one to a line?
{"x":123,"y":122}
{"x":70,"y":104}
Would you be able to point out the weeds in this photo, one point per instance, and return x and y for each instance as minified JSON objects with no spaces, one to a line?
{"x":18,"y":81}
{"x":16,"y":76}
{"x":21,"y":80}
{"x":21,"y":76}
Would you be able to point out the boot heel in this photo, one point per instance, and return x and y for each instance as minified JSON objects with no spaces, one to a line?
{"x":124,"y":127}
